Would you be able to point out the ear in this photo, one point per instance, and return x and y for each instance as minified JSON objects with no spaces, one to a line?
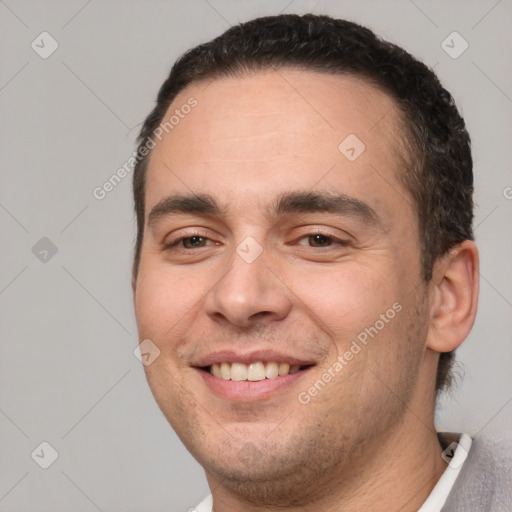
{"x":454,"y":297}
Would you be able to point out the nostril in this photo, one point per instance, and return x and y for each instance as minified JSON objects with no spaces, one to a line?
{"x":260,"y":314}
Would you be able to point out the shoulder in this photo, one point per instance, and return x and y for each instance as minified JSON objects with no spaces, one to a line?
{"x":485,"y":479}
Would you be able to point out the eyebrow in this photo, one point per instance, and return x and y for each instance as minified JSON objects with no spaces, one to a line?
{"x":199,"y":204}
{"x":287,"y":204}
{"x":321,"y":202}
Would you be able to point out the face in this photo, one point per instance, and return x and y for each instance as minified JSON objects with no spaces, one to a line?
{"x":280,"y":276}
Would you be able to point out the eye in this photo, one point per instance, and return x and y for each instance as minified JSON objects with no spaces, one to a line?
{"x":192,"y":242}
{"x":189,"y":242}
{"x":319,"y":240}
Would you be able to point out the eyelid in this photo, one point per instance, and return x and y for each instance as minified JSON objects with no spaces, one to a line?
{"x":203,"y":233}
{"x":327,"y":233}
{"x":191,"y":233}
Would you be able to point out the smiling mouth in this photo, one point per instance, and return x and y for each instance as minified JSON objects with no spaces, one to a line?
{"x":253,"y":372}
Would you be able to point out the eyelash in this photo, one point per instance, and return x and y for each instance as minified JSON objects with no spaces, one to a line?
{"x":334,"y":240}
{"x":325,"y":234}
{"x":174,"y":243}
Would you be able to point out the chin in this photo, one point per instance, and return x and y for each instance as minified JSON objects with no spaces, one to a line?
{"x":269,"y":481}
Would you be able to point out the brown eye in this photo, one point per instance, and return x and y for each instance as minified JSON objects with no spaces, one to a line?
{"x":193,"y":242}
{"x":319,"y":240}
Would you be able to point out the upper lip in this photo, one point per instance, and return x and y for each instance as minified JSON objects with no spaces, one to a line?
{"x":238,"y":356}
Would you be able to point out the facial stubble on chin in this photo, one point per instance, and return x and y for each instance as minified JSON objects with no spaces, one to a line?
{"x":314,"y":455}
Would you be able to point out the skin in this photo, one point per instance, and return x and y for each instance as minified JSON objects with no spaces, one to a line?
{"x":367,"y":440}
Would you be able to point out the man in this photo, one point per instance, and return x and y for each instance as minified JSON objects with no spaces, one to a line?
{"x":305,"y":266}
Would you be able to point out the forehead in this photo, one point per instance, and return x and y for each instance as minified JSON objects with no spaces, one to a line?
{"x":271,"y":130}
{"x":317,"y":106}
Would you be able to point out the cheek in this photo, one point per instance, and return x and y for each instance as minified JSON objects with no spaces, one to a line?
{"x":164,"y":300}
{"x":345,"y":300}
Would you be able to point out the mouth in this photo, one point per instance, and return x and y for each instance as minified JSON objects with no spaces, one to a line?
{"x":253,"y":380}
{"x":253,"y":372}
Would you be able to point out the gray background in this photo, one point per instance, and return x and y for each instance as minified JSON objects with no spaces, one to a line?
{"x":68,"y":375}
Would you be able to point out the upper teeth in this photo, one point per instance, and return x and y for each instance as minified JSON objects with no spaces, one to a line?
{"x":253,"y":371}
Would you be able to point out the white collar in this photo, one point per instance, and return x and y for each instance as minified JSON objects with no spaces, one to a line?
{"x":455,"y":454}
{"x":205,"y":505}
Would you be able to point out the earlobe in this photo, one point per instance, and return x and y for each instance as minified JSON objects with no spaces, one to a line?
{"x":454,"y":297}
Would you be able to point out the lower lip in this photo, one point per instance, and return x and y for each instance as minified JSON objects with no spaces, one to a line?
{"x":248,"y":391}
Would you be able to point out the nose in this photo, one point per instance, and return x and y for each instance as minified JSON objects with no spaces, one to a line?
{"x":249,"y":293}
